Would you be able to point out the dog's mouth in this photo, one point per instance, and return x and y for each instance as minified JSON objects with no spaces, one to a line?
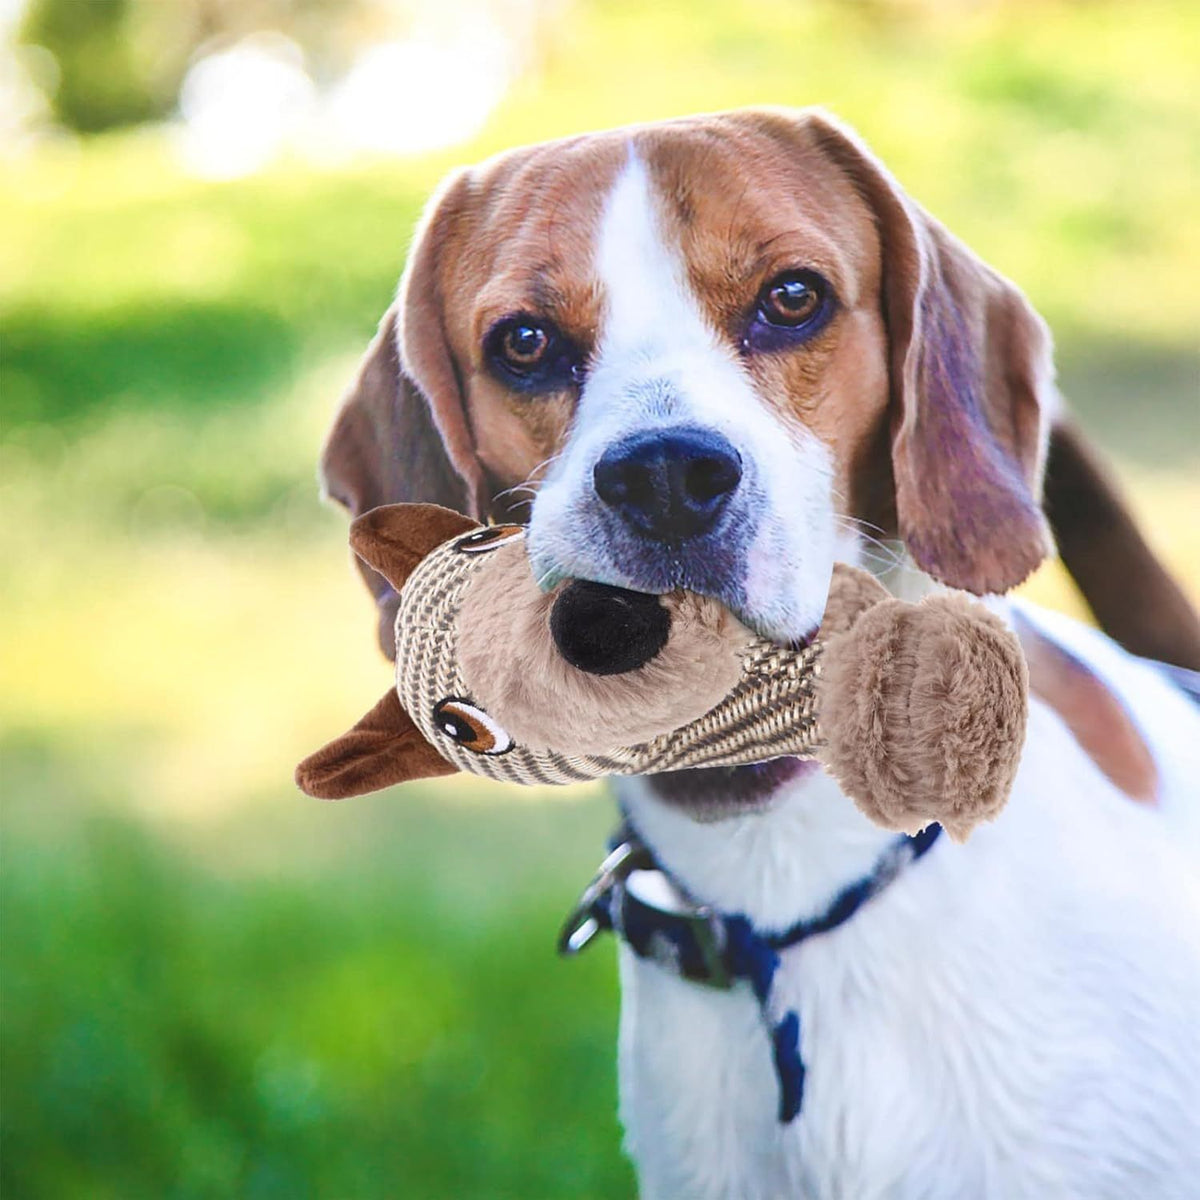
{"x":710,"y":793}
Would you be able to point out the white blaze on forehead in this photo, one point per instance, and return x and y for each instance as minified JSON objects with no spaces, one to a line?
{"x":648,"y":305}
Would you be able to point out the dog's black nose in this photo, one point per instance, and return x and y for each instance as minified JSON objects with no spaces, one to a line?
{"x":669,"y":485}
{"x":607,"y":630}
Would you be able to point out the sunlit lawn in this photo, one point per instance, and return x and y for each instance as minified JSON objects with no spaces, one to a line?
{"x":299,"y":1002}
{"x":215,"y":987}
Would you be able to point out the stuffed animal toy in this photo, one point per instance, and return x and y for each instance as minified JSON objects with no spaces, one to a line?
{"x":918,"y":710}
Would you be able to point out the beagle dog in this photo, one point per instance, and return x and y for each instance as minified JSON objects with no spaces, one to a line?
{"x":721,"y":353}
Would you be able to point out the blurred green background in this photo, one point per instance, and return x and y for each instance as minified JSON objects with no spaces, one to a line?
{"x":213,"y":986}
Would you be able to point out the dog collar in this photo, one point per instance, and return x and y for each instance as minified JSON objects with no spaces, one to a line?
{"x":634,"y":897}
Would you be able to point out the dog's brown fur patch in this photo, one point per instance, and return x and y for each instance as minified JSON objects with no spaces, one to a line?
{"x":1102,"y":727}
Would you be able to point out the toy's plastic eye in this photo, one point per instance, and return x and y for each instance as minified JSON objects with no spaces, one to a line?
{"x":470,"y":727}
{"x":487,"y":538}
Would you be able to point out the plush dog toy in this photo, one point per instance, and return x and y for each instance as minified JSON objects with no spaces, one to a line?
{"x":918,"y":710}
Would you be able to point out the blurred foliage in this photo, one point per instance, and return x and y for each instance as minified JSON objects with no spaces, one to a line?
{"x":104,"y":75}
{"x":120,"y":62}
{"x":147,"y":289}
{"x":214,"y":987}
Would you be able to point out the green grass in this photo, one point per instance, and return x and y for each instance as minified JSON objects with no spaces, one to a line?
{"x":301,"y":1001}
{"x":214,"y":987}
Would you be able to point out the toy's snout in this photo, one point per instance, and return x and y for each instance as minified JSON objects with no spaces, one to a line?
{"x":605,"y":630}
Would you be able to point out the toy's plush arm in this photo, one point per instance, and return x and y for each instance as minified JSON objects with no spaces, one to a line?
{"x":923,"y":709}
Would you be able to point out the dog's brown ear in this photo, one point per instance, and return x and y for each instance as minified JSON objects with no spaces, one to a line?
{"x":401,"y":434}
{"x":384,"y":447}
{"x":384,"y":748}
{"x":972,"y":382}
{"x":394,"y":538}
{"x":425,"y":343}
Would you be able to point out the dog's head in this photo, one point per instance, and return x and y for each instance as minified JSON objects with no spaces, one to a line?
{"x":692,"y":353}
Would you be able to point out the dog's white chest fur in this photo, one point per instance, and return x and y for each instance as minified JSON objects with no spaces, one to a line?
{"x":1016,"y":1017}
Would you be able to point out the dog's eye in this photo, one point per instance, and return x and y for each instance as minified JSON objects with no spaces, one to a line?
{"x":470,"y":727}
{"x":530,"y":353}
{"x":791,"y":306}
{"x":792,"y":299}
{"x":524,"y":344}
{"x":487,"y":538}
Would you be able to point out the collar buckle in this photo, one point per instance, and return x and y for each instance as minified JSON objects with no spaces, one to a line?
{"x":584,"y":921}
{"x":630,"y":891}
{"x":709,"y":935}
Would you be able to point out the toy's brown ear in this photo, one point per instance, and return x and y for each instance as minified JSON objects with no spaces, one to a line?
{"x":384,"y":748}
{"x":395,"y":537}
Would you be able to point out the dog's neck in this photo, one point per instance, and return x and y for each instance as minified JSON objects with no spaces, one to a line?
{"x":775,"y":864}
{"x":782,"y":858}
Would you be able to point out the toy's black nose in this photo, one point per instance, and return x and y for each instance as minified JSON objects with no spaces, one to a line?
{"x":669,"y":485}
{"x":607,"y":630}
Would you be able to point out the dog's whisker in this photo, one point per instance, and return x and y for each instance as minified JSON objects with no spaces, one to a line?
{"x":546,"y":462}
{"x":859,"y":523}
{"x":512,"y":491}
{"x":882,"y":555}
{"x":874,"y":541}
{"x":529,"y":485}
{"x":855,"y":524}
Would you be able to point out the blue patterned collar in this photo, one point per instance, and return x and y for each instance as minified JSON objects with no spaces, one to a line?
{"x":634,"y":897}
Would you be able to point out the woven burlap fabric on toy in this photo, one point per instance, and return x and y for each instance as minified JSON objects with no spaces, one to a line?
{"x":770,"y":712}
